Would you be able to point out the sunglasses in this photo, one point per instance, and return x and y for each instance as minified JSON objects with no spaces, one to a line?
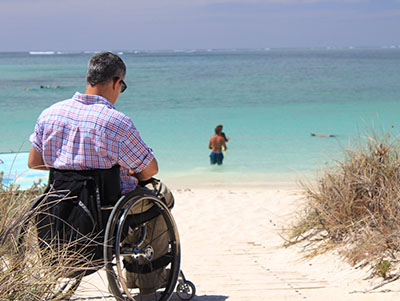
{"x":123,"y":84}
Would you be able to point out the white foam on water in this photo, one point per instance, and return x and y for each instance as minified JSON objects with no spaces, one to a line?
{"x":41,"y":52}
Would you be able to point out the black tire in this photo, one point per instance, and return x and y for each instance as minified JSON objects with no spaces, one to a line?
{"x":140,"y":216}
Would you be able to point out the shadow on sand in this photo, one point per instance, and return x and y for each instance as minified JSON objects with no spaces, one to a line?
{"x":206,"y":298}
{"x":174,"y":298}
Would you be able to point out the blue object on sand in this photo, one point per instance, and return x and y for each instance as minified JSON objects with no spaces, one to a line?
{"x":15,"y":170}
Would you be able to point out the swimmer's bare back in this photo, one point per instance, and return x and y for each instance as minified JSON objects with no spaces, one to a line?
{"x":216,"y":143}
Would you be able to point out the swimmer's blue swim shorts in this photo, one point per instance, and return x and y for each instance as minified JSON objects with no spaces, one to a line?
{"x":216,"y":158}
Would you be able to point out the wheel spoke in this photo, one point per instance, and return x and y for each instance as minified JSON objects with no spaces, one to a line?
{"x":136,"y":252}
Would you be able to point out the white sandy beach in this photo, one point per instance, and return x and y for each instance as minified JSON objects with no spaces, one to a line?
{"x":232,"y":250}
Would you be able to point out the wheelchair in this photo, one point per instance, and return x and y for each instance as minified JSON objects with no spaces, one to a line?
{"x":141,"y":249}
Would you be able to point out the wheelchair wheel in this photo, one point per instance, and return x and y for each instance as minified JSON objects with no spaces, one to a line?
{"x":186,"y":290}
{"x":141,"y":249}
{"x":62,"y":286}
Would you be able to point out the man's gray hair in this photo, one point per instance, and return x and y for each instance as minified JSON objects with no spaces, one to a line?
{"x":104,"y":67}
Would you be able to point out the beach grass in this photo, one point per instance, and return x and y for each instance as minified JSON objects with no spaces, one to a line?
{"x":28,"y":272}
{"x":354,"y":205}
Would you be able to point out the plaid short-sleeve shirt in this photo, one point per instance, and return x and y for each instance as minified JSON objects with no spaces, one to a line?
{"x":87,"y":132}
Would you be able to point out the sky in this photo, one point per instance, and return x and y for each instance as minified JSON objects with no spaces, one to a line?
{"x":78,"y":25}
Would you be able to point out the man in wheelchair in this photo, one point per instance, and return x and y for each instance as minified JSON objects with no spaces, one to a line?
{"x":94,"y":154}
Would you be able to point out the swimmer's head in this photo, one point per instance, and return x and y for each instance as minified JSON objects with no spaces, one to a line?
{"x":218,"y":129}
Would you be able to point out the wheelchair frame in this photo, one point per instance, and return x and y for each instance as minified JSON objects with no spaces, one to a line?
{"x":136,"y":216}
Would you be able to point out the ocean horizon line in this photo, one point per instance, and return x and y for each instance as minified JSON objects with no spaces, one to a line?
{"x":192,"y":50}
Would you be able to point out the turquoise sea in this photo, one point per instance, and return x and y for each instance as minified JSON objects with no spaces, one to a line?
{"x":268,"y":100}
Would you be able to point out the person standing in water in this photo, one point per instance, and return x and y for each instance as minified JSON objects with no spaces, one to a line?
{"x":216,"y":143}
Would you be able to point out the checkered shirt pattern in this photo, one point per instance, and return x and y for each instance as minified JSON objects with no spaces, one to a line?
{"x":87,"y":132}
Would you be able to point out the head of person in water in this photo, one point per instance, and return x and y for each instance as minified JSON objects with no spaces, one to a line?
{"x":218,"y":129}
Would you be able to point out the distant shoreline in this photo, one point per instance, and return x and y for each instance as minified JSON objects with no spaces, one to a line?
{"x":16,"y":171}
{"x":11,"y":152}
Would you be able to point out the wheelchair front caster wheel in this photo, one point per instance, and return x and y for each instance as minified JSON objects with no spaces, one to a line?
{"x":186,"y":290}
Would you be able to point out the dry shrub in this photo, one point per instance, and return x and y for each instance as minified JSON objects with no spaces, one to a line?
{"x":355,"y":205}
{"x":27,"y":272}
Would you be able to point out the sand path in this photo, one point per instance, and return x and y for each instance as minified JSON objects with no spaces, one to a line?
{"x":232,"y":250}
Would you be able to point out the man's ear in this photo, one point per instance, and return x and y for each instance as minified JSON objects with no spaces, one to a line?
{"x":115,"y":84}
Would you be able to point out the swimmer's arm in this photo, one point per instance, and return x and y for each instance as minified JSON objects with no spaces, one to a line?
{"x":210,"y":144}
{"x":224,"y":145}
{"x":35,"y":160}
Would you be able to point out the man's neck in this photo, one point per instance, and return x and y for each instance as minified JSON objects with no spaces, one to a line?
{"x":100,"y":90}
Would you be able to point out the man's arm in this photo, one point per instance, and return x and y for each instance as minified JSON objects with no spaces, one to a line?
{"x":35,"y":160}
{"x":210,"y":144}
{"x":224,"y":145}
{"x":149,"y":171}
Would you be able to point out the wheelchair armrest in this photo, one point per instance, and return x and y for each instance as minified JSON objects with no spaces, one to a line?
{"x":149,"y":181}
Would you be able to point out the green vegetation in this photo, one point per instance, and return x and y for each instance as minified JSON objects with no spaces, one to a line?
{"x":354,"y":206}
{"x":382,"y":268}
